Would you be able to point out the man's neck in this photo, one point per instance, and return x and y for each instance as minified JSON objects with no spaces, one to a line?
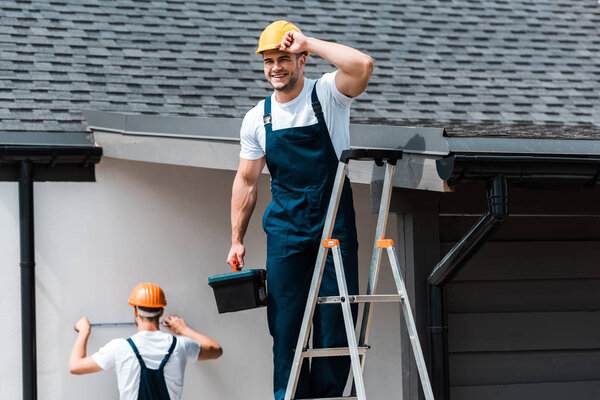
{"x":147,"y":326}
{"x":284,"y":97}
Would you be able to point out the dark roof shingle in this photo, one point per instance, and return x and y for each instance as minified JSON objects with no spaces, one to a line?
{"x":459,"y":64}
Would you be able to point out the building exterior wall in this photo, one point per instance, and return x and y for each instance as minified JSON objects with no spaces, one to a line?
{"x":165,"y":224}
{"x":524,"y":316}
{"x":523,"y":313}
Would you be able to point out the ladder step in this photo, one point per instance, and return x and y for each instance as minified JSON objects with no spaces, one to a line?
{"x":332,"y":352}
{"x":373,"y":298}
{"x":334,"y":398}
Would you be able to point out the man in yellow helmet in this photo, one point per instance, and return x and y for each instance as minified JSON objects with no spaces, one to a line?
{"x":150,"y":365}
{"x":299,"y":132}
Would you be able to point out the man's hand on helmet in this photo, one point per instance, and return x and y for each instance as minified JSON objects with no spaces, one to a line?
{"x":294,"y":42}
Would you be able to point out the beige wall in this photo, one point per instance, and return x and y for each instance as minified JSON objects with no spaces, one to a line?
{"x":160,"y":223}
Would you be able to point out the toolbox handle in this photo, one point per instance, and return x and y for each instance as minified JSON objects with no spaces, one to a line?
{"x":377,"y":155}
{"x":236,"y":265}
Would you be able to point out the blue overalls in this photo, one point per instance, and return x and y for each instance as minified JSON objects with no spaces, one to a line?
{"x":152,"y":381}
{"x":303,"y":164}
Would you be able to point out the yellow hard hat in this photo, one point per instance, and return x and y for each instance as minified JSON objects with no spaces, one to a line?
{"x":147,"y":295}
{"x":271,"y":37}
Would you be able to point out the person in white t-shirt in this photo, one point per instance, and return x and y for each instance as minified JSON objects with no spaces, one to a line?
{"x":150,"y":365}
{"x":299,"y":132}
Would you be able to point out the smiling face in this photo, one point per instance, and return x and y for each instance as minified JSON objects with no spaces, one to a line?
{"x":282,"y":69}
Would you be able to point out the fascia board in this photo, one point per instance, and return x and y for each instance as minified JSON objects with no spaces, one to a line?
{"x":417,"y":140}
{"x":415,"y":171}
{"x":520,"y":146}
{"x":412,"y":140}
{"x":214,"y":143}
{"x":221,"y":129}
{"x":167,"y":150}
{"x":59,"y":139}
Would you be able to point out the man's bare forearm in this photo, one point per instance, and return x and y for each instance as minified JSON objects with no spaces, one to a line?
{"x":79,"y":351}
{"x":347,"y":59}
{"x":243,"y":201}
{"x":210,"y":349}
{"x":243,"y":197}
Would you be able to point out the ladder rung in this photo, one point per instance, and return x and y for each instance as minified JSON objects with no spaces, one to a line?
{"x":373,"y":298}
{"x":332,"y":352}
{"x":335,"y":398}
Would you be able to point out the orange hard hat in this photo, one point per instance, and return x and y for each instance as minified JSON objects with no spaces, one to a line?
{"x":271,"y":37}
{"x":147,"y":295}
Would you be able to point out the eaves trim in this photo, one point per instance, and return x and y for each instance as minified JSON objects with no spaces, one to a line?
{"x":58,"y":139}
{"x":413,"y":140}
{"x":563,"y":147}
{"x":219,"y":129}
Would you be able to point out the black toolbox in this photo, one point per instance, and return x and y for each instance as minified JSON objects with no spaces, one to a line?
{"x":236,"y":291}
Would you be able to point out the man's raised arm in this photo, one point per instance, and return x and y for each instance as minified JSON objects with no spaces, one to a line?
{"x":355,"y":67}
{"x":209,"y":349}
{"x":78,"y":362}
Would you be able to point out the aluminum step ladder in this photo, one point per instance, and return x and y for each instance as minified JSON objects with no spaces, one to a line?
{"x":357,"y":348}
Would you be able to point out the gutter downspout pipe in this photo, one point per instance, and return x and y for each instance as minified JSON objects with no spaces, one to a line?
{"x":447,"y":268}
{"x":28,"y":338}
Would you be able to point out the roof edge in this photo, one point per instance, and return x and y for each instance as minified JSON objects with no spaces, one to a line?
{"x":417,"y":140}
{"x":431,"y":141}
{"x":26,"y":138}
{"x":222,"y":129}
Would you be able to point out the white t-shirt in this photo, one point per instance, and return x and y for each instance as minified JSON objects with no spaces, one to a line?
{"x":299,"y":112}
{"x":152,"y":346}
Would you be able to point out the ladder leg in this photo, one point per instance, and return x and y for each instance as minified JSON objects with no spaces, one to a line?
{"x":384,"y":207}
{"x":411,"y":325}
{"x":349,"y":324}
{"x":382,"y":218}
{"x":315,"y":283}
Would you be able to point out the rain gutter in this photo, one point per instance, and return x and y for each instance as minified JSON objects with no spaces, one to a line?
{"x":498,"y":170}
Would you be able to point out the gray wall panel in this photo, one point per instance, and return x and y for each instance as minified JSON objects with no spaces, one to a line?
{"x":526,"y":295}
{"x":452,"y":228}
{"x":588,"y":390}
{"x":532,"y":260}
{"x":524,"y":318}
{"x":524,"y":331}
{"x":498,"y":368}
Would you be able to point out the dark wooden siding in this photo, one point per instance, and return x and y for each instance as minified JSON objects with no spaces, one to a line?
{"x":524,"y":313}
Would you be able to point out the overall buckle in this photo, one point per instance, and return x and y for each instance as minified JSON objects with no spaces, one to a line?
{"x":267,"y":119}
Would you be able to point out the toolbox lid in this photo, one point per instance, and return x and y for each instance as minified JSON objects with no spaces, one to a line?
{"x":235,"y":275}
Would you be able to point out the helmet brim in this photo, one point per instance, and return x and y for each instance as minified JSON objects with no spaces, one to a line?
{"x":268,"y":47}
{"x":261,"y":49}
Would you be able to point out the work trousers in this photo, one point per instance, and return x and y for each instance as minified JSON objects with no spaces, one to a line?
{"x":289,"y":279}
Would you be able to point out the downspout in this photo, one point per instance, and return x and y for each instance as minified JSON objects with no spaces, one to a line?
{"x":438,"y":342}
{"x":447,"y":268}
{"x":25,"y":164}
{"x":28,"y":344}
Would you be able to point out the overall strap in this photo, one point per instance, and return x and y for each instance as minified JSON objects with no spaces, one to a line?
{"x":316,"y":104}
{"x":267,"y":116}
{"x":137,"y":353}
{"x":164,"y":361}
